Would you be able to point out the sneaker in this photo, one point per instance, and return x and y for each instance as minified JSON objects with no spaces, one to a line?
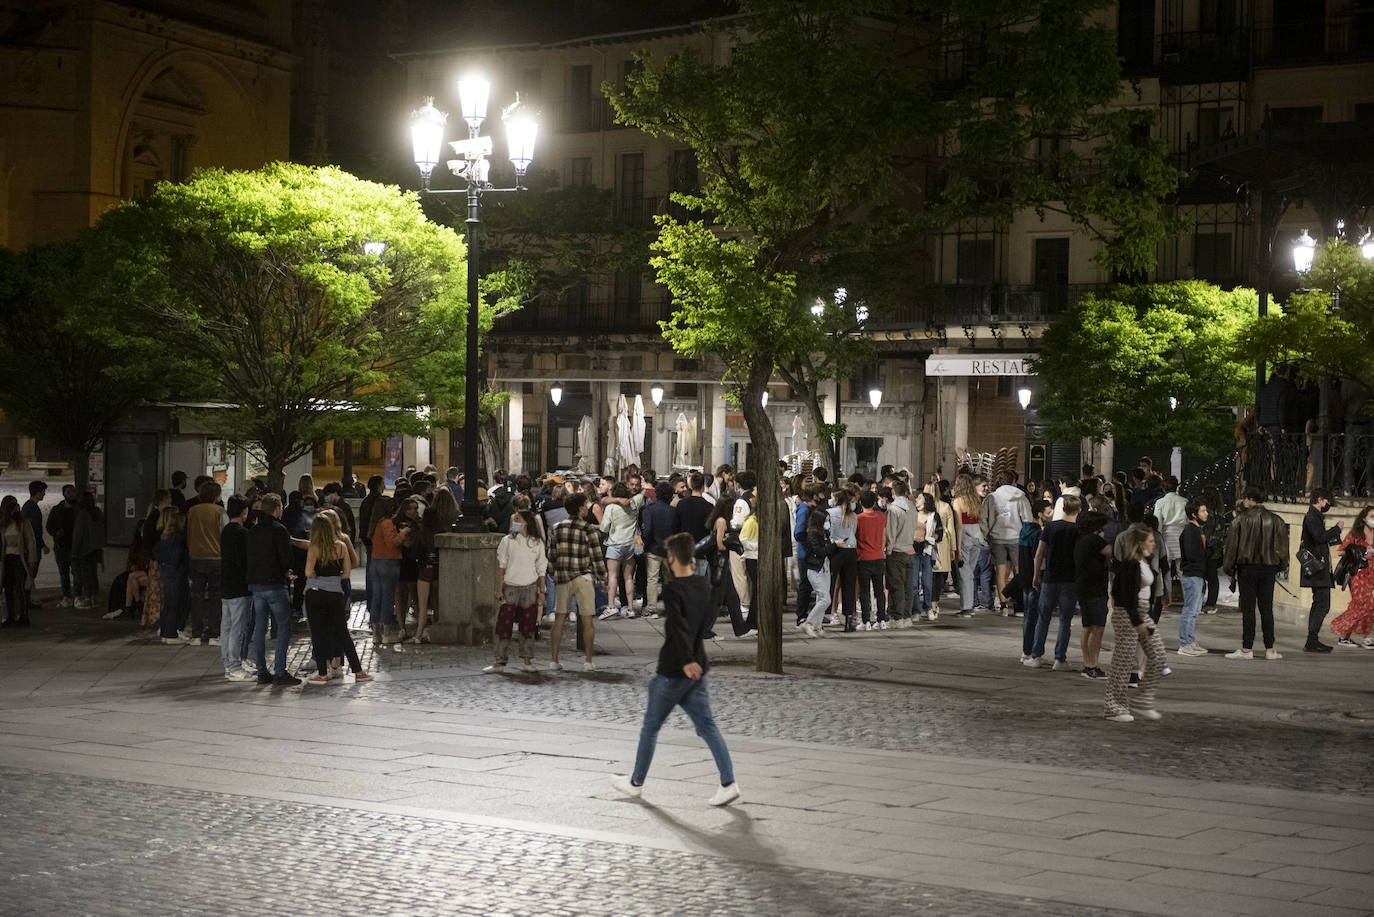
{"x":555,"y":666}
{"x":1166,"y":671}
{"x":933,"y":614}
{"x":979,"y":607}
{"x":627,"y":613}
{"x":621,"y":783}
{"x":285,"y":681}
{"x":750,"y":634}
{"x":1209,"y":609}
{"x":529,"y":666}
{"x":213,"y":641}
{"x":809,"y":630}
{"x":173,"y":641}
{"x":360,"y":677}
{"x":111,"y":615}
{"x":1150,"y":714}
{"x":317,"y":680}
{"x":589,"y":666}
{"x":1134,"y":681}
{"x":1191,"y":649}
{"x":495,"y":668}
{"x":336,"y":674}
{"x":236,"y":675}
{"x":1368,"y":643}
{"x":250,"y":667}
{"x":264,"y":678}
{"x":1273,"y":654}
{"x":726,"y":795}
{"x":1089,"y":672}
{"x":1316,"y":646}
{"x":1240,"y":654}
{"x":1346,"y":641}
{"x":1120,"y":718}
{"x":883,"y":625}
{"x":1034,"y":662}
{"x":1098,"y":673}
{"x":185,"y":635}
{"x":607,"y":613}
{"x":66,"y":602}
{"x":1061,"y":667}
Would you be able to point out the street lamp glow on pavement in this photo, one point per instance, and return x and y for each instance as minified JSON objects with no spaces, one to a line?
{"x":556,"y":393}
{"x":1303,"y":250}
{"x":427,"y":134}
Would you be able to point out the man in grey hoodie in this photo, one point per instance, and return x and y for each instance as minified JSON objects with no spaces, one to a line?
{"x":1000,"y":522}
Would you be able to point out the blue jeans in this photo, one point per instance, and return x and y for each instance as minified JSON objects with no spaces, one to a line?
{"x":1193,"y":588}
{"x":381,"y":606}
{"x":235,"y":617}
{"x":922,"y":583}
{"x":691,"y":695}
{"x":1055,"y":598}
{"x":276,"y":601}
{"x":820,"y":594}
{"x":68,"y":573}
{"x":550,"y":590}
{"x":982,"y":579}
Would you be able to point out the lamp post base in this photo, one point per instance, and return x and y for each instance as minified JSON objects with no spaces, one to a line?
{"x":471,"y":522}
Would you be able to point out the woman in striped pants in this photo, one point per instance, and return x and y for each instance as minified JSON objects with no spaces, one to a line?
{"x":1133,"y":627}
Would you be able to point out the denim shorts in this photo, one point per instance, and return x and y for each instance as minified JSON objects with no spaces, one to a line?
{"x":620,"y":551}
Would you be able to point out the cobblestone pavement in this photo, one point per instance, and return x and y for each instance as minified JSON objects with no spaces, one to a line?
{"x":106,"y":847}
{"x":853,"y":712}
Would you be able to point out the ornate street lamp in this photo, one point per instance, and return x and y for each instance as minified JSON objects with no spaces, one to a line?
{"x":1303,"y":250}
{"x":556,"y":393}
{"x":656,"y":394}
{"x":427,"y":126}
{"x":1023,"y":395}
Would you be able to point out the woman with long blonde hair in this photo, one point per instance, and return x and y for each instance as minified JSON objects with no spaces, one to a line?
{"x":327,"y":567}
{"x":969,"y":491}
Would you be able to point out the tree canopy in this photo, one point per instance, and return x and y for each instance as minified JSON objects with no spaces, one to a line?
{"x":1110,"y":367}
{"x":1327,"y":335}
{"x":61,"y":377}
{"x":264,"y":292}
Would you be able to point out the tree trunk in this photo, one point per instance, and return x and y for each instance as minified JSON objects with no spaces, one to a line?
{"x":491,"y":443}
{"x":768,"y":602}
{"x":346,"y":478}
{"x":829,"y":457}
{"x":81,"y":468}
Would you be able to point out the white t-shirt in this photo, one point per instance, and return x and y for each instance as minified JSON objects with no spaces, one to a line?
{"x":522,"y":558}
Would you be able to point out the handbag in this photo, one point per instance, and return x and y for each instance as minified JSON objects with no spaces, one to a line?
{"x":1352,"y":561}
{"x":1312,"y":564}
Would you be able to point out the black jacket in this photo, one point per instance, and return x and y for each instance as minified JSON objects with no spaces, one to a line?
{"x":233,"y":561}
{"x":658,"y":522}
{"x":1193,"y":561}
{"x":688,"y":615}
{"x":269,"y":553}
{"x":1126,"y":589}
{"x":1318,"y":539}
{"x":819,"y":547}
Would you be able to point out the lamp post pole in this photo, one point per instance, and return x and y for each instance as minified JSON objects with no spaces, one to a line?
{"x":427,"y":130}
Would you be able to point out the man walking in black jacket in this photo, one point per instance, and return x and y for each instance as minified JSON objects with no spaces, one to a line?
{"x":681,"y":678}
{"x":268,"y":550}
{"x":1318,"y":539}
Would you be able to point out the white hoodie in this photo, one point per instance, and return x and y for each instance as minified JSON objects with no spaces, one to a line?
{"x":1003,"y":512}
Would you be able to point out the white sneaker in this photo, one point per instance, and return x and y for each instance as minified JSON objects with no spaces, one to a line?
{"x":622,"y":784}
{"x":213,"y":641}
{"x":1150,"y":714}
{"x":1034,"y":662}
{"x":1191,"y":649}
{"x":1368,"y":643}
{"x":1061,"y":667}
{"x":1240,"y":654}
{"x":555,"y":666}
{"x":726,"y":795}
{"x":237,"y":675}
{"x":66,"y":602}
{"x":1273,"y":654}
{"x":529,"y":666}
{"x":494,"y":669}
{"x":882,"y":625}
{"x":173,"y":641}
{"x":933,"y":614}
{"x":626,"y":613}
{"x":111,"y":615}
{"x":589,"y":666}
{"x":1346,"y":641}
{"x":750,"y":634}
{"x":1121,"y":718}
{"x":807,"y":629}
{"x":1024,"y":657}
{"x":609,"y":613}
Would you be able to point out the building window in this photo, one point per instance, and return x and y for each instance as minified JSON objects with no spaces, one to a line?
{"x":1212,"y":256}
{"x":976,"y":261}
{"x":628,"y":296}
{"x":1215,"y":124}
{"x":630,"y":189}
{"x":579,"y":171}
{"x":1296,"y":116}
{"x":529,"y":448}
{"x":529,"y":84}
{"x":579,"y":101}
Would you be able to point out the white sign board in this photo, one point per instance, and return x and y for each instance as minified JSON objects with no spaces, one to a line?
{"x":1001,"y":364}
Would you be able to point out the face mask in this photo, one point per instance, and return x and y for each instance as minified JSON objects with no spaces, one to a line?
{"x":1369,"y":521}
{"x":1324,"y":509}
{"x":517,"y":527}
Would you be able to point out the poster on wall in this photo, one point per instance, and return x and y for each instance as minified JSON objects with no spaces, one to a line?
{"x":96,"y":471}
{"x":395,"y":459}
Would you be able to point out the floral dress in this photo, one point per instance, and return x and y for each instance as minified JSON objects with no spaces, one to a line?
{"x":1358,"y":618}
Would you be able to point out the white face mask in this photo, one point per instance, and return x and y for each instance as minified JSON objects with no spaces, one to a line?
{"x":1369,"y":520}
{"x":517,"y":527}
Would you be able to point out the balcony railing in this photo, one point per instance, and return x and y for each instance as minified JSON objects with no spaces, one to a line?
{"x":579,"y":115}
{"x":1329,"y":40}
{"x":595,"y":317}
{"x":1287,"y":466}
{"x":1212,"y":54}
{"x":638,"y":211}
{"x":977,"y":304}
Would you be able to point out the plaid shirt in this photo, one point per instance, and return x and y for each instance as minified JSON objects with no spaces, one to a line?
{"x":576,"y":550}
